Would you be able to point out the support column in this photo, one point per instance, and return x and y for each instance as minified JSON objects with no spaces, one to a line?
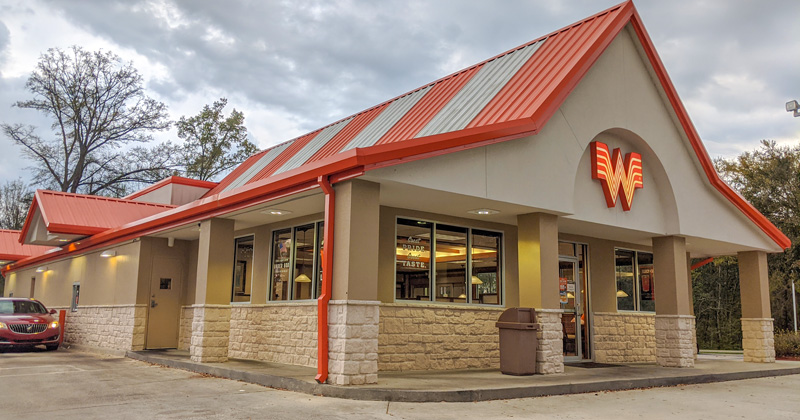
{"x":695,"y":348}
{"x":212,"y":311}
{"x":353,"y":312}
{"x":538,"y":285}
{"x":758,"y":339}
{"x":674,"y":322}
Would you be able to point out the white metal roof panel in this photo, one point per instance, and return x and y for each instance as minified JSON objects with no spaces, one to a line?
{"x":477,"y":93}
{"x":313,"y":146}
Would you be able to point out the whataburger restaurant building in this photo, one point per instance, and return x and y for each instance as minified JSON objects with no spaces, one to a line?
{"x":563,"y":175}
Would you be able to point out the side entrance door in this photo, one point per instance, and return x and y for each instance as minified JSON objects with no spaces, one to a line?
{"x":570,"y":291}
{"x":163,"y":316}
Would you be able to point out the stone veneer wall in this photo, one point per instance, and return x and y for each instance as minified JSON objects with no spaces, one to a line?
{"x":353,"y":342}
{"x":116,"y":327}
{"x":210,"y":333}
{"x":626,"y":337}
{"x":758,"y":340}
{"x":674,"y":340}
{"x":185,"y":328}
{"x":550,"y":347}
{"x":281,"y":332}
{"x":414,"y":336}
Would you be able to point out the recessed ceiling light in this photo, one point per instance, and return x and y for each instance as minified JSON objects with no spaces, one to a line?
{"x":63,"y":240}
{"x":483,"y":212}
{"x":276,"y":212}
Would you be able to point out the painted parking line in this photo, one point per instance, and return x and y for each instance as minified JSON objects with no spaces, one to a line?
{"x":54,"y":370}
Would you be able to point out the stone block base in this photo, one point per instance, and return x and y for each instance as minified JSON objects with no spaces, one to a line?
{"x":550,"y":351}
{"x":675,"y":340}
{"x":210,"y":333}
{"x":758,"y":340}
{"x":353,"y":342}
{"x":625,"y":337}
{"x":114,"y":327}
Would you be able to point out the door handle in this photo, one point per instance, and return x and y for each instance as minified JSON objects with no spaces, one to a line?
{"x":153,"y":303}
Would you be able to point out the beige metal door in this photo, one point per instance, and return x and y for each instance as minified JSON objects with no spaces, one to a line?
{"x":165,"y":305}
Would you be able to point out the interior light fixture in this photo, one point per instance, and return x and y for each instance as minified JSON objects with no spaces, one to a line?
{"x":302,"y":278}
{"x":108,"y":253}
{"x":476,"y":280}
{"x":621,"y":294}
{"x":570,"y":295}
{"x":483,"y":212}
{"x":462,"y":296}
{"x":276,"y":212}
{"x":41,"y":269}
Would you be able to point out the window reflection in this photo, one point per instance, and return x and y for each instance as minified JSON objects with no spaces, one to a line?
{"x":281,"y":257}
{"x":413,"y":254}
{"x":451,"y":263}
{"x":485,"y":267}
{"x":242,"y":269}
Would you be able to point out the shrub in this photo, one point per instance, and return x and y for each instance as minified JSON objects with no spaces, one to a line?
{"x":787,"y":343}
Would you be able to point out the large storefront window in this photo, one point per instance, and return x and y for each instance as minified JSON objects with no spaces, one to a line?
{"x":635,"y":283}
{"x":447,"y":263}
{"x":296,"y":264}
{"x":242,"y":270}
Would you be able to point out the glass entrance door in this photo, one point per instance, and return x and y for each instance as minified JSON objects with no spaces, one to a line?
{"x":570,"y":290}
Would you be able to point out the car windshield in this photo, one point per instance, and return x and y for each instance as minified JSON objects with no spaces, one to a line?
{"x":8,"y":307}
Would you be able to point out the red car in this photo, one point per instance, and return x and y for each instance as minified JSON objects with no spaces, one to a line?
{"x":26,"y":322}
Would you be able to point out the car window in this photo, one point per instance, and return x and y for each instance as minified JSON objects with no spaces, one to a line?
{"x":28,"y":307}
{"x":6,"y":307}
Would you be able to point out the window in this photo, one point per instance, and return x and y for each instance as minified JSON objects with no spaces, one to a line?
{"x":446,"y":263}
{"x":635,"y":282}
{"x":296,"y":262}
{"x":242,"y":270}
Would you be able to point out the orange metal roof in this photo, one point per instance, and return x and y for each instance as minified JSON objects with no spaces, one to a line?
{"x":532,"y":92}
{"x":526,"y":96}
{"x":12,"y":250}
{"x":79,"y":214}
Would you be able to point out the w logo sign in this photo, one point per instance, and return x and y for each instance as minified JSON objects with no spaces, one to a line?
{"x":619,"y":178}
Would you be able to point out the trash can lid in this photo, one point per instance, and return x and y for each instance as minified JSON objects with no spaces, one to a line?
{"x":518,"y":315}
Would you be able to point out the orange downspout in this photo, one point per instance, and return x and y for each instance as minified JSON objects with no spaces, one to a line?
{"x":327,"y":281}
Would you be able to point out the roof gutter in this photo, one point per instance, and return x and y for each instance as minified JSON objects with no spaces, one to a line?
{"x":327,"y":280}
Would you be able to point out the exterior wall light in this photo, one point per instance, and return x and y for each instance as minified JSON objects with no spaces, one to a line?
{"x":793,"y":106}
{"x":41,"y":269}
{"x":108,"y":253}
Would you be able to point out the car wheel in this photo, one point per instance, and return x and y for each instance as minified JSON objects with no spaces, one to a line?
{"x":51,"y":347}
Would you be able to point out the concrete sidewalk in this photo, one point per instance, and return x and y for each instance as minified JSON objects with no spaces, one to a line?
{"x":477,"y":385}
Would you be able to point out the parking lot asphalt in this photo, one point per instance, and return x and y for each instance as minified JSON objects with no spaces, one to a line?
{"x":75,"y":385}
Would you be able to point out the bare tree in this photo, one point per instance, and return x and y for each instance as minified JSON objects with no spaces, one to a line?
{"x":15,"y":199}
{"x":97,"y":105}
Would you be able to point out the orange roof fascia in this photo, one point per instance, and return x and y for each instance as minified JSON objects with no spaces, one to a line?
{"x":172,"y":180}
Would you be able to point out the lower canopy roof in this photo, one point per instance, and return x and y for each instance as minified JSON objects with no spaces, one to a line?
{"x":56,"y":218}
{"x":12,"y":250}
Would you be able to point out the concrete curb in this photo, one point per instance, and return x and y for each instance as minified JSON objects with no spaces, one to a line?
{"x":467,"y":395}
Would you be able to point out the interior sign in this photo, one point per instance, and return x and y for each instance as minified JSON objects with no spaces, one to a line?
{"x":619,"y":177}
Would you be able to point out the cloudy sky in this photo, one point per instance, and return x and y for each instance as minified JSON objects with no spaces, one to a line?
{"x":295,"y":65}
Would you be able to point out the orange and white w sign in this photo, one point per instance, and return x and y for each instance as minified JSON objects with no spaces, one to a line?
{"x":618,"y":177}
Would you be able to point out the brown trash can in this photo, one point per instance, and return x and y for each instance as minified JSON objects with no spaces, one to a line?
{"x":518,"y":341}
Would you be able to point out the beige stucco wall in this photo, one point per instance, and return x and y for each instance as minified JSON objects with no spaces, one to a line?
{"x":104,"y":281}
{"x":415,"y":336}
